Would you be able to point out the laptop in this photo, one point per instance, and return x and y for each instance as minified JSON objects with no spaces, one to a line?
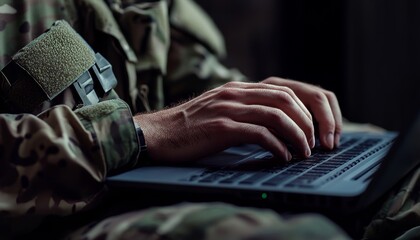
{"x":348,"y":178}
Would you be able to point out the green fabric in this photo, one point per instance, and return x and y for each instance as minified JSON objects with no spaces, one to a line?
{"x":49,"y":55}
{"x":55,"y":162}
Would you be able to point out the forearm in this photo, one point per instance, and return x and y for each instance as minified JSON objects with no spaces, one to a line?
{"x":55,"y":163}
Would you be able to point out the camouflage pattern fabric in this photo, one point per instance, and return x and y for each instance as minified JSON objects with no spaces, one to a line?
{"x":55,"y":162}
{"x":211,"y":221}
{"x":399,"y":217}
{"x":157,"y":60}
{"x":22,"y":21}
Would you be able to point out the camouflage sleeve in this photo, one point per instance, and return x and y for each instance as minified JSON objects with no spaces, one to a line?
{"x":194,"y":54}
{"x":164,"y":51}
{"x":210,"y":221}
{"x":56,"y":162}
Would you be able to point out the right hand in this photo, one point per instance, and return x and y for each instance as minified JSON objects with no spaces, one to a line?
{"x":235,"y":113}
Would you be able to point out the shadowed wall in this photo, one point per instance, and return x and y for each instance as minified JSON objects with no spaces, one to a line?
{"x":367,"y":52}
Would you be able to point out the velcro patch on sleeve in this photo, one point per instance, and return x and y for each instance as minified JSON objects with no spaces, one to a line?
{"x":56,"y":58}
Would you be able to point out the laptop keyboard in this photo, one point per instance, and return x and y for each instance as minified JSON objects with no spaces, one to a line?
{"x":338,"y":161}
{"x":299,"y":173}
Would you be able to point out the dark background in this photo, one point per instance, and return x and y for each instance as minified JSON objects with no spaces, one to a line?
{"x":367,"y":52}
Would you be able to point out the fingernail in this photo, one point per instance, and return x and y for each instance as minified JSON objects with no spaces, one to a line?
{"x":308,"y":152}
{"x":289,"y":156}
{"x":337,"y":139}
{"x":312,"y":142}
{"x":330,"y":140}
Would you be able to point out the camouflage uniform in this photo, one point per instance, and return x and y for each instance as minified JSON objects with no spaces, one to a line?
{"x":53,"y":162}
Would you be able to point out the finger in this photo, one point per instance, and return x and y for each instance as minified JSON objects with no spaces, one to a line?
{"x":244,"y":85}
{"x":288,"y":84}
{"x":242,"y":133}
{"x":276,"y":100}
{"x":327,"y":113}
{"x":323,"y":114}
{"x":274,"y":119}
{"x":332,"y":99}
{"x":318,"y":102}
{"x":283,"y":101}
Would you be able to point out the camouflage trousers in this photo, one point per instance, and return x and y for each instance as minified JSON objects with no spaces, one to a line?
{"x":218,"y":221}
{"x":398,"y":218}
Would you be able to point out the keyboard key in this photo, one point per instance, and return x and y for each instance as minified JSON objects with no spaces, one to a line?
{"x":254,"y":178}
{"x":233,"y":178}
{"x":278,"y":179}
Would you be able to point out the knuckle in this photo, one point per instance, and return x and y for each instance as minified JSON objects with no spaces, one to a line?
{"x":285,"y":97}
{"x":275,"y":117}
{"x":227,"y":94}
{"x":329,"y":94}
{"x":300,"y":139}
{"x":319,"y":97}
{"x":338,"y":128}
{"x":261,"y":134}
{"x":230,"y":84}
{"x":289,"y":101}
{"x":288,"y":90}
{"x":221,"y":125}
{"x":309,"y":129}
{"x":301,"y":136}
{"x":270,"y":80}
{"x":220,"y":107}
{"x":329,"y":125}
{"x":311,"y":119}
{"x":278,"y":116}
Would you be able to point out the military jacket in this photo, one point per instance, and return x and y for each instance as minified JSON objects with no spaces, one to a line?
{"x":54,"y":161}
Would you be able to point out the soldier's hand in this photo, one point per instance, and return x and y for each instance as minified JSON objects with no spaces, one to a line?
{"x":324,"y":106}
{"x":266,"y":113}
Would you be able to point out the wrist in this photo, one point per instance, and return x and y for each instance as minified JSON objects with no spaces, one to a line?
{"x":156,"y":138}
{"x":140,"y":136}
